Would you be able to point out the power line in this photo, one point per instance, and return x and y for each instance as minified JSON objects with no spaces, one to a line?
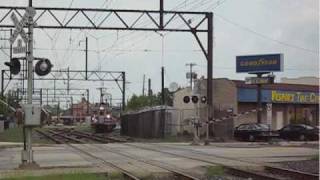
{"x":265,"y":36}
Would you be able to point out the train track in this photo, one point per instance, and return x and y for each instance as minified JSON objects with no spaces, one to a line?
{"x":58,"y":138}
{"x":61,"y":136}
{"x":268,"y":173}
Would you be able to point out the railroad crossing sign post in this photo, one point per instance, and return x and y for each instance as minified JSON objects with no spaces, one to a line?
{"x":30,"y":13}
{"x":30,"y":109}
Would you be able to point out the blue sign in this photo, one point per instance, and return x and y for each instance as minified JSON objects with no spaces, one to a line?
{"x":259,"y":63}
{"x":275,"y":96}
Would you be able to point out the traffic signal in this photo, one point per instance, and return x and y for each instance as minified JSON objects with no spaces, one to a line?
{"x":195,"y":99}
{"x":43,"y":67}
{"x":203,"y":99}
{"x":14,"y":66}
{"x":186,"y":99}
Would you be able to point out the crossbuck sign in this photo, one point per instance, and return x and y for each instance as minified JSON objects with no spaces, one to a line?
{"x":30,"y":12}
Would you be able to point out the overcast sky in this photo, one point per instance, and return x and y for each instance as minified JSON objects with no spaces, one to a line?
{"x":241,"y":27}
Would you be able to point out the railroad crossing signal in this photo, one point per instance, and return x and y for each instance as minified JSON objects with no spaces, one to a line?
{"x":14,"y":66}
{"x":186,"y":99}
{"x":30,"y":12}
{"x":194,"y":99}
{"x":43,"y":67}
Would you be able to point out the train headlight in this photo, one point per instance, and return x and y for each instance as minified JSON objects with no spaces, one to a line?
{"x":108,"y":116}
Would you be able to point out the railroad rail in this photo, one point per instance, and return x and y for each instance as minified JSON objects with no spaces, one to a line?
{"x":268,"y":173}
{"x":54,"y":137}
{"x":60,"y":137}
{"x":178,"y":173}
{"x":294,"y":174}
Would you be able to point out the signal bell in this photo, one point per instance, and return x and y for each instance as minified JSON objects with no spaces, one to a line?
{"x":43,"y":67}
{"x":14,"y":66}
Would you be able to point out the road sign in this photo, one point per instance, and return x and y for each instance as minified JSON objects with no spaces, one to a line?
{"x":259,"y":63}
{"x":30,"y":12}
{"x":19,"y":49}
{"x":261,"y":80}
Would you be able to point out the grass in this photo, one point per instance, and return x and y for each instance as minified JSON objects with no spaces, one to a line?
{"x":74,"y":176}
{"x":12,"y":135}
{"x":215,"y":171}
{"x":83,"y":128}
{"x":16,"y":135}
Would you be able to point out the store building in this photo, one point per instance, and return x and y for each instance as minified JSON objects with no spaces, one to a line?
{"x":282,"y":104}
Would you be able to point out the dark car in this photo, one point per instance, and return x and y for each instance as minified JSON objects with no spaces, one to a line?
{"x":253,"y":131}
{"x":301,"y":132}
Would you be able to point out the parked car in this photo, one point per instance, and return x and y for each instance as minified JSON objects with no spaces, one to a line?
{"x":301,"y":132}
{"x":253,"y":131}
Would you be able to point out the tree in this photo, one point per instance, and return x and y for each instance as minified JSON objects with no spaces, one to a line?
{"x":168,"y":97}
{"x":138,"y":102}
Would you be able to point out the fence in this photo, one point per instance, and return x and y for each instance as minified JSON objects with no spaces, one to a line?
{"x":157,"y":122}
{"x":162,"y":121}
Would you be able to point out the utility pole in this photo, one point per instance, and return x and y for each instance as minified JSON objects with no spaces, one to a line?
{"x":2,"y":83}
{"x":123,"y":91}
{"x":86,"y":58}
{"x":209,"y":76}
{"x":47,"y":97}
{"x":54,"y":89}
{"x":162,"y":86}
{"x":143,"y":83}
{"x":88,"y":103}
{"x":191,"y":73}
{"x":41,"y":96}
{"x":68,"y":80}
{"x":259,"y":103}
{"x":161,"y":14}
{"x":149,"y":87}
{"x":101,"y":93}
{"x":71,"y":108}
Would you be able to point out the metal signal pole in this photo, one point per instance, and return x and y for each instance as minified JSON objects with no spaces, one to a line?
{"x":143,"y":83}
{"x":27,"y":155}
{"x":191,"y":78}
{"x":86,"y":58}
{"x":162,"y":87}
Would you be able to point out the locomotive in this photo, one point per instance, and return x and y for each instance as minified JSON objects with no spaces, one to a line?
{"x":102,"y":121}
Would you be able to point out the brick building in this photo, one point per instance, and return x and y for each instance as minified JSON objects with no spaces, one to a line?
{"x":80,"y":111}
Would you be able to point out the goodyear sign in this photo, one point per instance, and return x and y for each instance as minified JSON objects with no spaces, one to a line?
{"x":259,"y":63}
{"x":294,"y":97}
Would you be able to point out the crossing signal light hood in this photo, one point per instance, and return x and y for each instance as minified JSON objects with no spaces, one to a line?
{"x":14,"y":65}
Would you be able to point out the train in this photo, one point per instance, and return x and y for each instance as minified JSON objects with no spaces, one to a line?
{"x":102,"y":120}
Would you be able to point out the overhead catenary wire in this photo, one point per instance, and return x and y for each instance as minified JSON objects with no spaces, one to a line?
{"x":147,"y":34}
{"x":265,"y":36}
